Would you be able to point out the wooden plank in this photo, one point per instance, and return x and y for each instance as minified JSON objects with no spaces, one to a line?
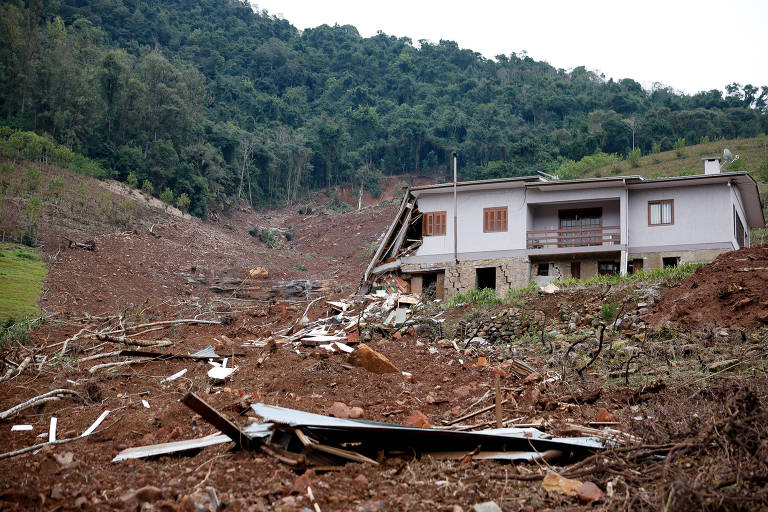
{"x":216,"y":419}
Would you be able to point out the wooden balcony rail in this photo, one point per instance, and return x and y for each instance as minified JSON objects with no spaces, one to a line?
{"x":574,"y":237}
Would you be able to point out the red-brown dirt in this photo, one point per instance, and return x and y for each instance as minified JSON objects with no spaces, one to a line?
{"x":732,"y":291}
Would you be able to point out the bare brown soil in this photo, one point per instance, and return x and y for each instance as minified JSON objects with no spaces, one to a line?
{"x":699,"y":424}
{"x":731,"y":291}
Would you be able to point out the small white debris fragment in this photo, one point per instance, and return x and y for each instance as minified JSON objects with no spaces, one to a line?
{"x":95,"y":424}
{"x":18,"y":428}
{"x":72,"y":382}
{"x":174,"y":376}
{"x":344,"y":347}
{"x":145,"y":403}
{"x":550,"y":288}
{"x":52,"y":429}
{"x":221,"y":372}
{"x":433,"y":350}
{"x":461,"y":361}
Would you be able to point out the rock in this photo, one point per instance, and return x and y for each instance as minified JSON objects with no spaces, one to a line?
{"x":690,"y":348}
{"x":481,"y":361}
{"x":556,"y":483}
{"x":365,"y":357}
{"x":604,"y":416}
{"x":144,"y":495}
{"x":763,"y":316}
{"x":200,"y":501}
{"x":721,"y":365}
{"x":533,"y":377}
{"x":551,"y":288}
{"x":341,"y":410}
{"x":361,"y":482}
{"x":479,"y":340}
{"x":258,"y":273}
{"x":301,"y":483}
{"x":418,"y":419}
{"x":487,"y":506}
{"x":589,"y":492}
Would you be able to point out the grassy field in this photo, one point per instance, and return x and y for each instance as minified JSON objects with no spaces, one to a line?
{"x":21,"y":280}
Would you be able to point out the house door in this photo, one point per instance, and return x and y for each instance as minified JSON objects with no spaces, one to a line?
{"x":637,"y":265}
{"x":580,"y":227}
{"x":576,"y":269}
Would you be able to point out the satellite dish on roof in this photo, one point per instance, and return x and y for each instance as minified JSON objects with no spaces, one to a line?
{"x":727,"y":155}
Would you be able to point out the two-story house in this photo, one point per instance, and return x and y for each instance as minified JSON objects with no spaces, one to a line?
{"x":502,"y":233}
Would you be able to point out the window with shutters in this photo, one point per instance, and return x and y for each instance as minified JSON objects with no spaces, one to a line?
{"x":661,"y":213}
{"x":494,"y":219}
{"x":433,"y":224}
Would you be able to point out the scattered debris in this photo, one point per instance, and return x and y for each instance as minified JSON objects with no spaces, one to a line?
{"x":166,"y":448}
{"x":174,"y":376}
{"x":20,"y":428}
{"x":95,"y":424}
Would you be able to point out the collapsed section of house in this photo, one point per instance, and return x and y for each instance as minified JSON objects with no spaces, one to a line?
{"x":500,"y":234}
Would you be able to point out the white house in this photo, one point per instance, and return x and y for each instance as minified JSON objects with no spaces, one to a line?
{"x":508,"y":231}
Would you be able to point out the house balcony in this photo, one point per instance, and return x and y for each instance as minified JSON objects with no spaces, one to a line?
{"x":592,"y":239}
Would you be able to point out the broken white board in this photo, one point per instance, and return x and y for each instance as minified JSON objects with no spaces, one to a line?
{"x":52,"y":429}
{"x":166,"y":448}
{"x":21,"y":428}
{"x":174,"y":376}
{"x":323,"y":339}
{"x":95,"y":424}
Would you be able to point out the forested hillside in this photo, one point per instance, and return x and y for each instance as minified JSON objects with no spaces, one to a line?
{"x":214,"y":100}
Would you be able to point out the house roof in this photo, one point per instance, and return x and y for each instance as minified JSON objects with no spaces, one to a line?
{"x":746,"y":184}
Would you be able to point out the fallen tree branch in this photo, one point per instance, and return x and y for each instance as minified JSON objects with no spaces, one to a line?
{"x":596,"y":354}
{"x":99,"y":356}
{"x":130,"y":341}
{"x":20,"y":368}
{"x":45,"y":397}
{"x":565,"y":357}
{"x":165,"y":322}
{"x":72,"y":338}
{"x":93,"y":369}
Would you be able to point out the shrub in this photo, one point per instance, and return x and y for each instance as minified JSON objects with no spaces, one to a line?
{"x":608,"y":312}
{"x":182,"y":203}
{"x":634,"y":157}
{"x":167,"y":196}
{"x":132,"y":180}
{"x":34,"y":179}
{"x":704,"y":140}
{"x":655,"y":148}
{"x":6,"y":171}
{"x":289,"y":234}
{"x":32,"y":214}
{"x":147,"y":187}
{"x":679,"y":146}
{"x":55,"y":186}
{"x":762,"y":171}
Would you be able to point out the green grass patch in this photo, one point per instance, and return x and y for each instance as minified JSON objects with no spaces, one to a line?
{"x":488,"y":297}
{"x":667,"y":275}
{"x":22,"y":272}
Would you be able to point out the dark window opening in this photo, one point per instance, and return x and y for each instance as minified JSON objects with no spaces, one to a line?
{"x":670,"y":261}
{"x":636,"y":265}
{"x":542,"y":269}
{"x":607,"y":268}
{"x":429,"y":285}
{"x":576,"y":269}
{"x":741,"y":234}
{"x":486,"y":278}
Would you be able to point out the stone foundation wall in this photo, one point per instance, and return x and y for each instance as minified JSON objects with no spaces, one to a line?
{"x":461,"y":278}
{"x":653,"y":260}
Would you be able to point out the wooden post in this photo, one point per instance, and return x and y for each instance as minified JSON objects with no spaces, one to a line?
{"x":497,"y":381}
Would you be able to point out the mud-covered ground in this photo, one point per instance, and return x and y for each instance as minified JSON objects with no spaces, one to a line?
{"x":689,"y":390}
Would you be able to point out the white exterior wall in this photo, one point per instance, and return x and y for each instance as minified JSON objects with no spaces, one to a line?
{"x":470,"y":221}
{"x":702,"y":215}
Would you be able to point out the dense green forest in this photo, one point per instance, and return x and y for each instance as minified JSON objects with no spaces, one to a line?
{"x":214,"y":100}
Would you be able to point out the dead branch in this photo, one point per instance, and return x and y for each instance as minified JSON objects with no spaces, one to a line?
{"x":129,"y":341}
{"x":626,"y":370}
{"x":99,"y":356}
{"x":72,"y":338}
{"x":45,"y":397}
{"x":567,"y":352}
{"x":596,"y":354}
{"x":20,"y":368}
{"x":165,"y":322}
{"x":94,"y":368}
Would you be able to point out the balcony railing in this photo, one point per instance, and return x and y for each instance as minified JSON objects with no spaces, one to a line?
{"x":574,"y":237}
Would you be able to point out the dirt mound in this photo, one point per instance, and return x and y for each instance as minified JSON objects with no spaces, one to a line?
{"x":732,"y":291}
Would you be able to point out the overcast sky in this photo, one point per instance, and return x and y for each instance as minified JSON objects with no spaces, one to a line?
{"x":690,"y":45}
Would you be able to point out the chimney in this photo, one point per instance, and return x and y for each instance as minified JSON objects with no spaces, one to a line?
{"x":712,"y":165}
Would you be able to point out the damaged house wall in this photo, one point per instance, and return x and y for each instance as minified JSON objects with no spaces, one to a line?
{"x":557,"y":229}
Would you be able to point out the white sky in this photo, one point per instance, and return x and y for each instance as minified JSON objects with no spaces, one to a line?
{"x":690,"y":45}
